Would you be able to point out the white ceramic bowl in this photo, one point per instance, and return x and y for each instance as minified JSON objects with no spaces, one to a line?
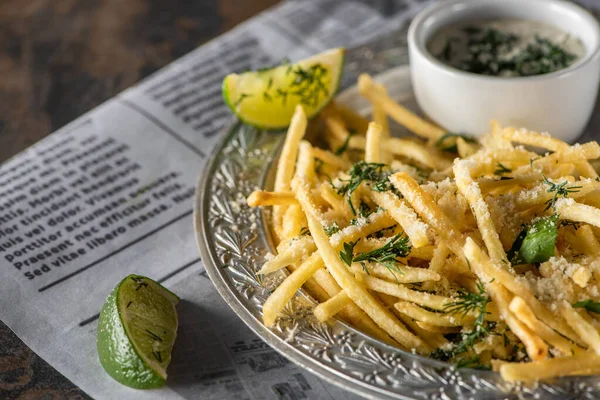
{"x":560,"y":103}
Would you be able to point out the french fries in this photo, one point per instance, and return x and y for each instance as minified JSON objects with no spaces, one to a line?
{"x":492,"y":257}
{"x":285,"y":166}
{"x":368,"y":89}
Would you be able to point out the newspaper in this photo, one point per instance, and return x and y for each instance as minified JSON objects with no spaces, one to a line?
{"x":111,"y":194}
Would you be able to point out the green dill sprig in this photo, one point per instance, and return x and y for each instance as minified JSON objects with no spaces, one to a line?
{"x":332,"y":229}
{"x":304,"y":231}
{"x":309,"y":84}
{"x":442,"y":354}
{"x":364,"y":211}
{"x":157,"y":355}
{"x":154,"y":336}
{"x":381,"y":233}
{"x":397,"y":247}
{"x":471,"y":302}
{"x":447,"y":142}
{"x":502,"y":170}
{"x":469,"y":339}
{"x":318,"y":165}
{"x":532,"y":160}
{"x":471,"y":362}
{"x":371,"y":172}
{"x":243,"y":96}
{"x":340,"y":150}
{"x":387,"y":255}
{"x":361,"y":171}
{"x":574,"y":224}
{"x":559,"y":189}
{"x":383,"y":185}
{"x":589,"y":305}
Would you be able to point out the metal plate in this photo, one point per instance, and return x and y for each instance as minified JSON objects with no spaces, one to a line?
{"x":234,"y":241}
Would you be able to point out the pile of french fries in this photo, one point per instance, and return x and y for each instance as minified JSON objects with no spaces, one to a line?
{"x":451,"y":290}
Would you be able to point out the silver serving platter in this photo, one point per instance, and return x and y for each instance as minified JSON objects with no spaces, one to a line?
{"x":234,"y":240}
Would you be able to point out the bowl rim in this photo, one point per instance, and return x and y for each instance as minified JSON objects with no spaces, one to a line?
{"x":419,"y":48}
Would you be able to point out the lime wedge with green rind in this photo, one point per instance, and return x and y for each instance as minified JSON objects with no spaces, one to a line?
{"x":267,"y":98}
{"x":136,"y":332}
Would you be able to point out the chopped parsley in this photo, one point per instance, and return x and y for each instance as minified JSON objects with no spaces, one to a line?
{"x":535,"y":243}
{"x":347,"y":252}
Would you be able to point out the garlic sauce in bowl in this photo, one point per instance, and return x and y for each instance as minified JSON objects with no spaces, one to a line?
{"x":506,"y":47}
{"x":533,"y":63}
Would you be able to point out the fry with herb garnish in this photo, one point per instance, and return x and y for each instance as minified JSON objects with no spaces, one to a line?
{"x":490,"y":261}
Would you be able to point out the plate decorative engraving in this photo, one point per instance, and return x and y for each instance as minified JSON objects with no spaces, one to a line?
{"x":235,"y":244}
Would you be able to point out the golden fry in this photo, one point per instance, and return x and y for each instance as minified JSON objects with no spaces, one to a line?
{"x":450,"y":273}
{"x":402,"y":115}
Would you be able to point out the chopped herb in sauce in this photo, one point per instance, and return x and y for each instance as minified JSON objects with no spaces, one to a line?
{"x":506,"y":48}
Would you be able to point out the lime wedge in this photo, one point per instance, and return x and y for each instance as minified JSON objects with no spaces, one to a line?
{"x":267,"y":98}
{"x":136,"y":332}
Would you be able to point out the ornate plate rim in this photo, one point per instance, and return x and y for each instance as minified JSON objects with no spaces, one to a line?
{"x":306,"y":361}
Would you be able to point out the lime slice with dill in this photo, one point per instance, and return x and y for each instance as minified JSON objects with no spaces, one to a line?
{"x":267,"y":98}
{"x":136,"y":332}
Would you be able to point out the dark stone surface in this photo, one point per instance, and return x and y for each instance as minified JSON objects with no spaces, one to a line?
{"x":61,"y":58}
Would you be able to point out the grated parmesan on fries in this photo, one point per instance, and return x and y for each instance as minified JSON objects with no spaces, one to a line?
{"x":483,"y":252}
